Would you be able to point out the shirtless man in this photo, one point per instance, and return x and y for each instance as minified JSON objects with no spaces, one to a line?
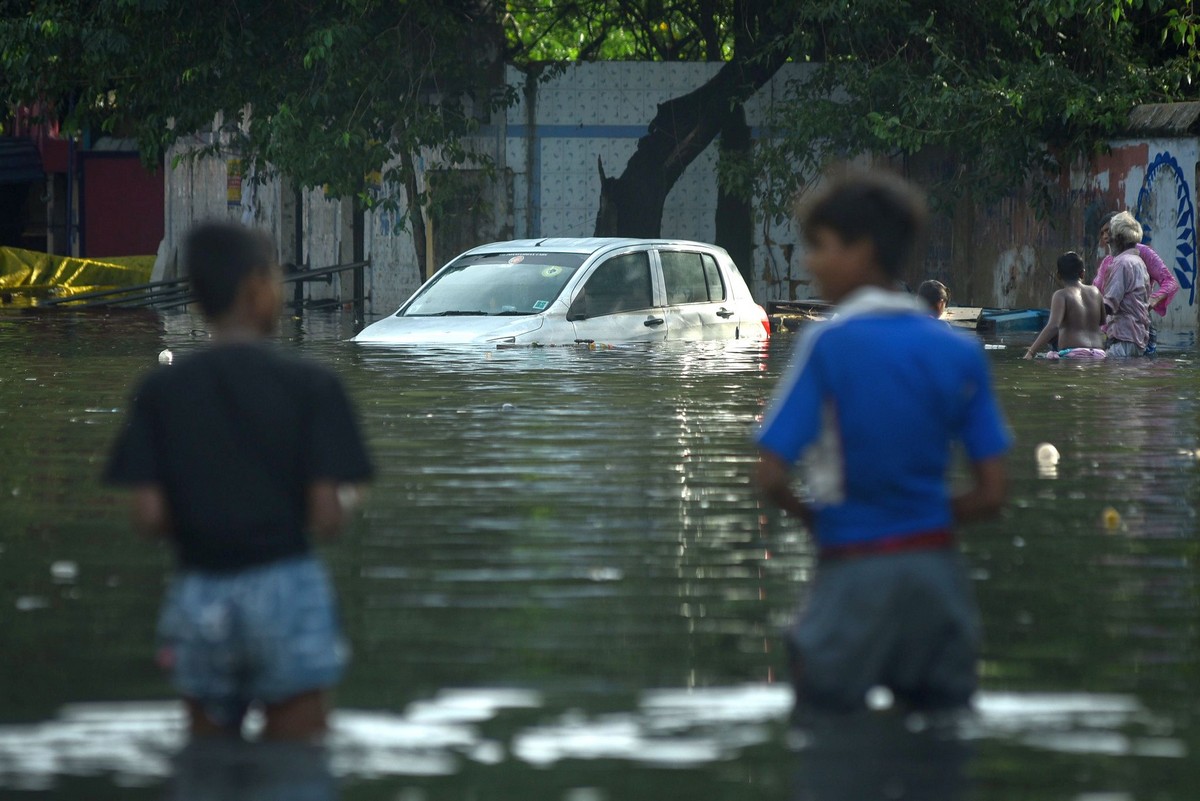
{"x":1076,"y":312}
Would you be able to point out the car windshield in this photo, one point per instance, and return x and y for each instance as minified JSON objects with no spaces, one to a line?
{"x":496,"y":284}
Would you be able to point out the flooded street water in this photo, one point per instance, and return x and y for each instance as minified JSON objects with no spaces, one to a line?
{"x":562,"y":586}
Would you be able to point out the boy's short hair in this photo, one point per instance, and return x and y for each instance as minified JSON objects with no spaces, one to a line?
{"x":219,"y":256}
{"x":1124,"y":230}
{"x":879,"y":207}
{"x":933,"y":292}
{"x":1070,"y":266}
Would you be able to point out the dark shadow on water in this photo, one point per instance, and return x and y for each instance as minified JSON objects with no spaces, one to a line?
{"x":879,"y":756}
{"x":235,"y":770}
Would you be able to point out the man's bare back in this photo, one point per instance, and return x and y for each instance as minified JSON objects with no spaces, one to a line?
{"x":1083,"y":311}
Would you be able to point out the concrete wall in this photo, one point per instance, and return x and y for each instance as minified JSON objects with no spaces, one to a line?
{"x":547,"y":183}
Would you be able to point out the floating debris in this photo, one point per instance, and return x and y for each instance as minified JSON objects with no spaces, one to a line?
{"x":64,"y":572}
{"x":1111,"y":518}
{"x":1046,"y":454}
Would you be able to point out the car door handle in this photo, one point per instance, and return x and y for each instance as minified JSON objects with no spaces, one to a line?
{"x":724,"y":312}
{"x":653,"y":321}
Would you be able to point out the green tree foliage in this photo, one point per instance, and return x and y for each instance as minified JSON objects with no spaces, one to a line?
{"x":620,"y":30}
{"x":325,"y":91}
{"x":329,"y":91}
{"x":1010,"y":89}
{"x":1013,"y":90}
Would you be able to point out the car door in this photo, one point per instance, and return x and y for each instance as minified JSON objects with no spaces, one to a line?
{"x":616,"y":302}
{"x":698,"y":302}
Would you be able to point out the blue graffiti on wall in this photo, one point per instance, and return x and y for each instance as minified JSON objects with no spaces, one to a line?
{"x":1165,"y":167}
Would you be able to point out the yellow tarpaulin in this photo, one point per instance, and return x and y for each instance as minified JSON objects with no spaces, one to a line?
{"x":27,"y":276}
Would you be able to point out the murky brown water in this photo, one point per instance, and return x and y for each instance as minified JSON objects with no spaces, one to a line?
{"x":562,"y":585}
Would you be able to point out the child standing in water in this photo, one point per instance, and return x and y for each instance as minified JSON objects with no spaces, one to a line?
{"x":936,"y":295}
{"x":236,"y":455}
{"x":1076,"y":312}
{"x":890,"y":604}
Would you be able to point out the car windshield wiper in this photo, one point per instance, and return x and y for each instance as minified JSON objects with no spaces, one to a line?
{"x":511,"y":313}
{"x":459,"y":313}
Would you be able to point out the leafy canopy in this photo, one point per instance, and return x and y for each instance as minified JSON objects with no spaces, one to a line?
{"x":340,"y":89}
{"x":1012,"y":90}
{"x":620,"y":30}
{"x":325,"y":91}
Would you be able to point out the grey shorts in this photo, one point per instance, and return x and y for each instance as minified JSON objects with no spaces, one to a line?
{"x":904,"y":621}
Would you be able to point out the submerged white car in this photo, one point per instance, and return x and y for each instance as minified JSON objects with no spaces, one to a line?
{"x":571,"y":291}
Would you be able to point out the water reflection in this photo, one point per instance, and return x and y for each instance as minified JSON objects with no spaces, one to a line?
{"x":556,"y":530}
{"x":881,"y":757}
{"x":219,"y":769}
{"x":460,"y":733}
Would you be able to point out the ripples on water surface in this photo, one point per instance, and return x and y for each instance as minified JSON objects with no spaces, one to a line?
{"x":563,"y":587}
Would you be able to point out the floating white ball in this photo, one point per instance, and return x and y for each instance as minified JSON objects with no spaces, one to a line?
{"x":1046,"y":454}
{"x":166,"y":357}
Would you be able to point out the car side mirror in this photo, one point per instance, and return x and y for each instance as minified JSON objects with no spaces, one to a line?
{"x":578,"y":308}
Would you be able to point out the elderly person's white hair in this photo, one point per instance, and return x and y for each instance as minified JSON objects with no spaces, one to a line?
{"x":1125,"y":231}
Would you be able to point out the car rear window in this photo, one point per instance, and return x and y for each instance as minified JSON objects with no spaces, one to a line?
{"x":691,"y":277}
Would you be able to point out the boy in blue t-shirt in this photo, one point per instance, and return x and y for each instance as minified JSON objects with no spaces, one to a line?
{"x":236,"y":454}
{"x":870,"y":406}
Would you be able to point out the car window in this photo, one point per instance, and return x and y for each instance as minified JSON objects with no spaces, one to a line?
{"x":620,"y":284}
{"x":712,"y":278}
{"x":496,"y":284}
{"x":691,"y":277}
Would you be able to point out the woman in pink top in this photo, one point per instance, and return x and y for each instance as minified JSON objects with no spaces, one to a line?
{"x":1160,"y":276}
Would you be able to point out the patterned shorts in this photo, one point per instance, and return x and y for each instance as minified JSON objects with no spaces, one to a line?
{"x":267,"y":634}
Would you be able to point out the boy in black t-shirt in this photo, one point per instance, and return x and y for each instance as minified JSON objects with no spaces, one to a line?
{"x":236,"y":454}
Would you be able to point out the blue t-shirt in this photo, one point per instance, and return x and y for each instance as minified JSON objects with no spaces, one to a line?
{"x":872,"y":403}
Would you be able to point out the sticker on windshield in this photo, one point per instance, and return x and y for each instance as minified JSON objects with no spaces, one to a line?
{"x":516,"y":260}
{"x":551,"y":271}
{"x":541,"y":304}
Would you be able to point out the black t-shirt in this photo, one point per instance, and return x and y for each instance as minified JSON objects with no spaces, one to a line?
{"x":235,"y":435}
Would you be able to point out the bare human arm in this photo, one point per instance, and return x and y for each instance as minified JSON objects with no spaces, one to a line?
{"x":329,"y":504}
{"x":1102,"y":273}
{"x":1159,"y":274}
{"x":774,"y":480}
{"x":149,"y":513}
{"x":987,"y":494}
{"x":1057,"y":311}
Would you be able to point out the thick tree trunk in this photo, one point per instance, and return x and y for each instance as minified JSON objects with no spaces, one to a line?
{"x":735,"y":214}
{"x":632,"y":204}
{"x":416,"y":214}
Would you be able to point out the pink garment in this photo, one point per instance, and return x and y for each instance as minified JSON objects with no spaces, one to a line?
{"x":1077,"y":353}
{"x":1159,"y":274}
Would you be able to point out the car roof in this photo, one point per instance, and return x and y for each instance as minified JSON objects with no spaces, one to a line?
{"x":587,"y":244}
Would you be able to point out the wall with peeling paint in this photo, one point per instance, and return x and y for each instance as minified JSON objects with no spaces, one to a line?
{"x":1009,"y":244}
